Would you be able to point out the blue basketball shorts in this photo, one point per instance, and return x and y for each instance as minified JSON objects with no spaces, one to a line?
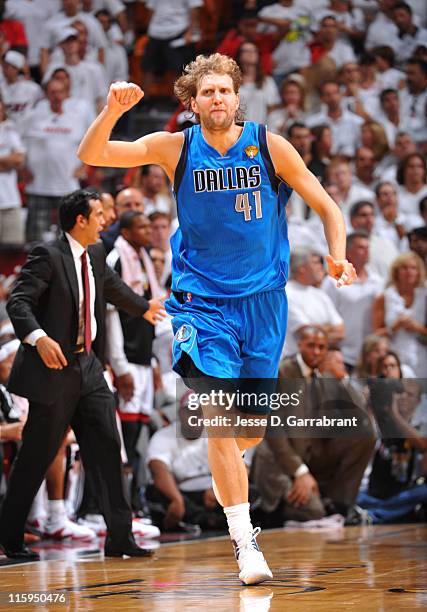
{"x":230,"y":337}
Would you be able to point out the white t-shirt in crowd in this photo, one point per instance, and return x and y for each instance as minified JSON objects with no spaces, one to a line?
{"x":116,"y":63}
{"x":407,"y":345}
{"x":279,"y":120}
{"x":88,"y":80}
{"x":345,"y":131}
{"x":19,"y":97}
{"x":255,"y":101}
{"x":390,"y":79}
{"x":57,"y":57}
{"x":382,"y":31}
{"x":187,"y":460}
{"x":382,"y":253}
{"x":356,"y":193}
{"x":390,"y":173}
{"x":291,"y":53}
{"x":33,"y":14}
{"x":10,"y":142}
{"x":391,"y":129}
{"x":161,"y":203}
{"x":387,"y":229}
{"x":413,"y":109}
{"x":77,"y":105}
{"x":300,"y":234}
{"x":419,"y":8}
{"x":409,"y":203}
{"x":52,"y":141}
{"x":49,"y":35}
{"x":408,"y":44}
{"x":319,"y":243}
{"x":170,"y":19}
{"x":354,"y":304}
{"x":307,"y":305}
{"x":342,"y":53}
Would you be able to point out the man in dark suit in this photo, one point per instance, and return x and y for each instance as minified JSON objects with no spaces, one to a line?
{"x":58,"y":311}
{"x":301,"y":468}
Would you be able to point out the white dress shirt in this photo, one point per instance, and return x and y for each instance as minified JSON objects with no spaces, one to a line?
{"x":77,"y":250}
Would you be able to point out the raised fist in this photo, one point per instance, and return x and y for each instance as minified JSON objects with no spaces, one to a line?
{"x":122,"y":96}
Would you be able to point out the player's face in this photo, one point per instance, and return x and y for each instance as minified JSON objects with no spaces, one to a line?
{"x":216,"y":102}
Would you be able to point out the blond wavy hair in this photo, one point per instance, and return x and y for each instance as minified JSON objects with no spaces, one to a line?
{"x":186,"y":86}
{"x":401,"y":259}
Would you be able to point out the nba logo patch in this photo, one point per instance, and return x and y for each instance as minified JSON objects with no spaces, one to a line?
{"x":251,"y":151}
{"x":183,"y":333}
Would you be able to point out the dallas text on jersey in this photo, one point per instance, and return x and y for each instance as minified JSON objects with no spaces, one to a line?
{"x":230,"y":178}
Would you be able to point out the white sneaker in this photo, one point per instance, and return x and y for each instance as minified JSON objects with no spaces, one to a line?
{"x":35,"y":526}
{"x":144,"y":530}
{"x":66,"y":529}
{"x":95,"y":522}
{"x":253,"y":567}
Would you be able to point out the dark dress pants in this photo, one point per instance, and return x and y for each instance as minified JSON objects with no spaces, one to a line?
{"x":87,"y":405}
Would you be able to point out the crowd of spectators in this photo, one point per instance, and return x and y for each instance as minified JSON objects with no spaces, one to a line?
{"x":346,"y":83}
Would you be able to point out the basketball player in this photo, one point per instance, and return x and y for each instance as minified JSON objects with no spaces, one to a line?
{"x":230,"y":253}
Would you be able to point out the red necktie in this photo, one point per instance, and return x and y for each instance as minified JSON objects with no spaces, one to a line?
{"x":86,"y":302}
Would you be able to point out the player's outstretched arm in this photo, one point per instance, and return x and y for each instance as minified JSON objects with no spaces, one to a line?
{"x":96,"y":149}
{"x":290,"y":167}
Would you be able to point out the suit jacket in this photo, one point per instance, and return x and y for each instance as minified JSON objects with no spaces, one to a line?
{"x":335,"y":398}
{"x":288,"y":452}
{"x":46,"y":297}
{"x":277,"y":458}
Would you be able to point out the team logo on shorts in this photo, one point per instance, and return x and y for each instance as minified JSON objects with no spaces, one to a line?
{"x":251,"y":151}
{"x":183,"y":333}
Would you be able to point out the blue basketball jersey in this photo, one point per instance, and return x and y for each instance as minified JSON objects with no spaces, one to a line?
{"x":232,"y":237}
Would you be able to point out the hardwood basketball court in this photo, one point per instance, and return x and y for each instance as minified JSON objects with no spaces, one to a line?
{"x":379,"y":568}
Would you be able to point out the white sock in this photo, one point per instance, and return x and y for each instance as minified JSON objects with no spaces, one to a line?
{"x":56,"y":511}
{"x":239,"y":522}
